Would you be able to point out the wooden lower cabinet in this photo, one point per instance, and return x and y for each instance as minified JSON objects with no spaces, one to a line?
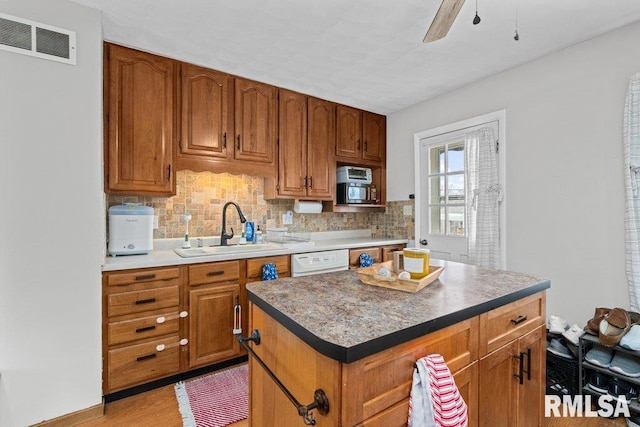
{"x":505,"y":398}
{"x":159,"y":322}
{"x":214,"y":290}
{"x":211,"y":336}
{"x":375,"y":391}
{"x":140,"y":326}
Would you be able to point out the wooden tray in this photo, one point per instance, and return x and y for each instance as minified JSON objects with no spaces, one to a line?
{"x":370,"y":276}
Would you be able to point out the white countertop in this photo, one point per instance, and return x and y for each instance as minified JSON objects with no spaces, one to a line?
{"x":163,"y":254}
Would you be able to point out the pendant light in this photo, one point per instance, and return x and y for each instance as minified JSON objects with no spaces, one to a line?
{"x":476,"y":20}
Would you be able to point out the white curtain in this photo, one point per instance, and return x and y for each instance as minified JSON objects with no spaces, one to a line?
{"x":483,"y":195}
{"x":631,"y":140}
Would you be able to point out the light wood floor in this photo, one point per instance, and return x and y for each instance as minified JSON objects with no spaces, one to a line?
{"x":153,"y":408}
{"x":160,"y":407}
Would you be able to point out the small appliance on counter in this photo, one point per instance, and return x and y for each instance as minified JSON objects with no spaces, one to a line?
{"x":354,"y":186}
{"x":130,"y":229}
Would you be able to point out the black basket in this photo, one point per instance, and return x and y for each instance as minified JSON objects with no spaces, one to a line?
{"x":562,"y":375}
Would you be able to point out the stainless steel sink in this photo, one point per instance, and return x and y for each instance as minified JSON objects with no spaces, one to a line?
{"x":223,"y":250}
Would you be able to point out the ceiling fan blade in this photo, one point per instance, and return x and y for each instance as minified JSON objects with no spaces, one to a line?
{"x":443,"y":20}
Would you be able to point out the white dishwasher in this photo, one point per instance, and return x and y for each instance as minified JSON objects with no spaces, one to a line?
{"x":310,"y":263}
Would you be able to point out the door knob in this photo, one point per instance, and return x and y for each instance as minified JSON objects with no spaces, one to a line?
{"x":424,"y":242}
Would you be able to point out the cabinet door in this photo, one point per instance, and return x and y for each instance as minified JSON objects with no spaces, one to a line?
{"x":211,"y":324}
{"x":255,"y":121}
{"x":532,"y":347}
{"x":140,"y":122}
{"x":321,"y":167}
{"x":292,"y":150}
{"x":206,"y":112}
{"x":497,"y":391}
{"x":348,"y":132}
{"x":374,"y":131}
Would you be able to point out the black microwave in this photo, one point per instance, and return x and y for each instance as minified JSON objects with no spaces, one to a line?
{"x":353,"y":192}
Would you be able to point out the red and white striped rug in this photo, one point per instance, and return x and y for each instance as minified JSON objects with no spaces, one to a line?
{"x":215,"y":400}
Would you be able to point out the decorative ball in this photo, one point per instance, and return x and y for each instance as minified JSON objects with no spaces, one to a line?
{"x":404,"y":275}
{"x":385,"y":272}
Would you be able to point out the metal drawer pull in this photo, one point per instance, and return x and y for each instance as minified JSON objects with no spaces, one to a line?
{"x":320,"y":399}
{"x":519,"y":320}
{"x":146,"y":277}
{"x":147,"y":357}
{"x":145,"y":329}
{"x":145,"y":301}
{"x":163,"y":319}
{"x":215,"y":273}
{"x":520,"y":374}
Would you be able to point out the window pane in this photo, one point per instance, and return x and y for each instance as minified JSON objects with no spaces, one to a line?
{"x":455,"y":220}
{"x":455,"y":155}
{"x":436,"y":189}
{"x":437,"y":219}
{"x":456,"y":188}
{"x":436,"y":156}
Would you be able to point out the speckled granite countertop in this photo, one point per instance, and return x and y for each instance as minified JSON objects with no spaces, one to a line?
{"x":347,"y":320}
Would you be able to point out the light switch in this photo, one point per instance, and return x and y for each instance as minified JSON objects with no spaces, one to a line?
{"x":407,"y":210}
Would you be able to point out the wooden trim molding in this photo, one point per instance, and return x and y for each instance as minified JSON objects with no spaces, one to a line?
{"x":75,"y":418}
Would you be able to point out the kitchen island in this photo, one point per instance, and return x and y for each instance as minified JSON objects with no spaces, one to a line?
{"x":358,"y":343}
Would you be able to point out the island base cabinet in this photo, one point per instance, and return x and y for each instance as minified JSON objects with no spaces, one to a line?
{"x":505,"y":398}
{"x":301,"y":370}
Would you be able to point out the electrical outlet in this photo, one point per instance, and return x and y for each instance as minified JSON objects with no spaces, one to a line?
{"x":287,"y":218}
{"x":407,"y":210}
{"x":155,"y":222}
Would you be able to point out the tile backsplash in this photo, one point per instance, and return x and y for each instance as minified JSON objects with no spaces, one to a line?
{"x":203,"y":194}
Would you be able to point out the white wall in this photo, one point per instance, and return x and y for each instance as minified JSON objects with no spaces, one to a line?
{"x":51,"y":222}
{"x":565,"y":183}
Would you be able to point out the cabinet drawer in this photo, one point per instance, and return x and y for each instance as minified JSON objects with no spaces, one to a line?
{"x":145,"y":300}
{"x":383,"y":380}
{"x":213,"y":273}
{"x":254,"y":266}
{"x":119,"y":279}
{"x":125,"y":331}
{"x":132,"y":365}
{"x":354,"y":255}
{"x":396,"y":416}
{"x":387,"y":252}
{"x":506,"y":323}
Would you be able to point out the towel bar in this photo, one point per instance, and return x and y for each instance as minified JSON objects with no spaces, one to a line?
{"x":320,"y":399}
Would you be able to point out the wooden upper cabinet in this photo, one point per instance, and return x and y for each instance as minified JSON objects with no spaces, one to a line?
{"x":255,"y":121}
{"x":374,"y":135}
{"x":321,"y":166}
{"x":139,"y":122}
{"x":349,"y":132}
{"x":206,"y":113}
{"x":360,"y":135}
{"x":292,"y":137}
{"x":306,"y":135}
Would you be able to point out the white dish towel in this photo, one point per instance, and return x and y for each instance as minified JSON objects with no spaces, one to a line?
{"x":435,"y":400}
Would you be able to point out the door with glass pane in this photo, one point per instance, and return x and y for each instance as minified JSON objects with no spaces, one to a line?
{"x":443,"y":199}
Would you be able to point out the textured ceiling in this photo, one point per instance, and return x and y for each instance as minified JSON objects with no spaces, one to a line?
{"x":364,"y":53}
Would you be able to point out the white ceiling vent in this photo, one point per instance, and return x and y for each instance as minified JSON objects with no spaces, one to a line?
{"x":36,"y":39}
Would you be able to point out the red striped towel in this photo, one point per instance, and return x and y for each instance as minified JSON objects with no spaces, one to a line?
{"x":435,"y":398}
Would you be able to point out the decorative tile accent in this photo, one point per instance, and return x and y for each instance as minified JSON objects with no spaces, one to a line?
{"x":203,"y":195}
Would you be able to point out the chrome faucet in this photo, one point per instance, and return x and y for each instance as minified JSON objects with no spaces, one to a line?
{"x":224,"y":236}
